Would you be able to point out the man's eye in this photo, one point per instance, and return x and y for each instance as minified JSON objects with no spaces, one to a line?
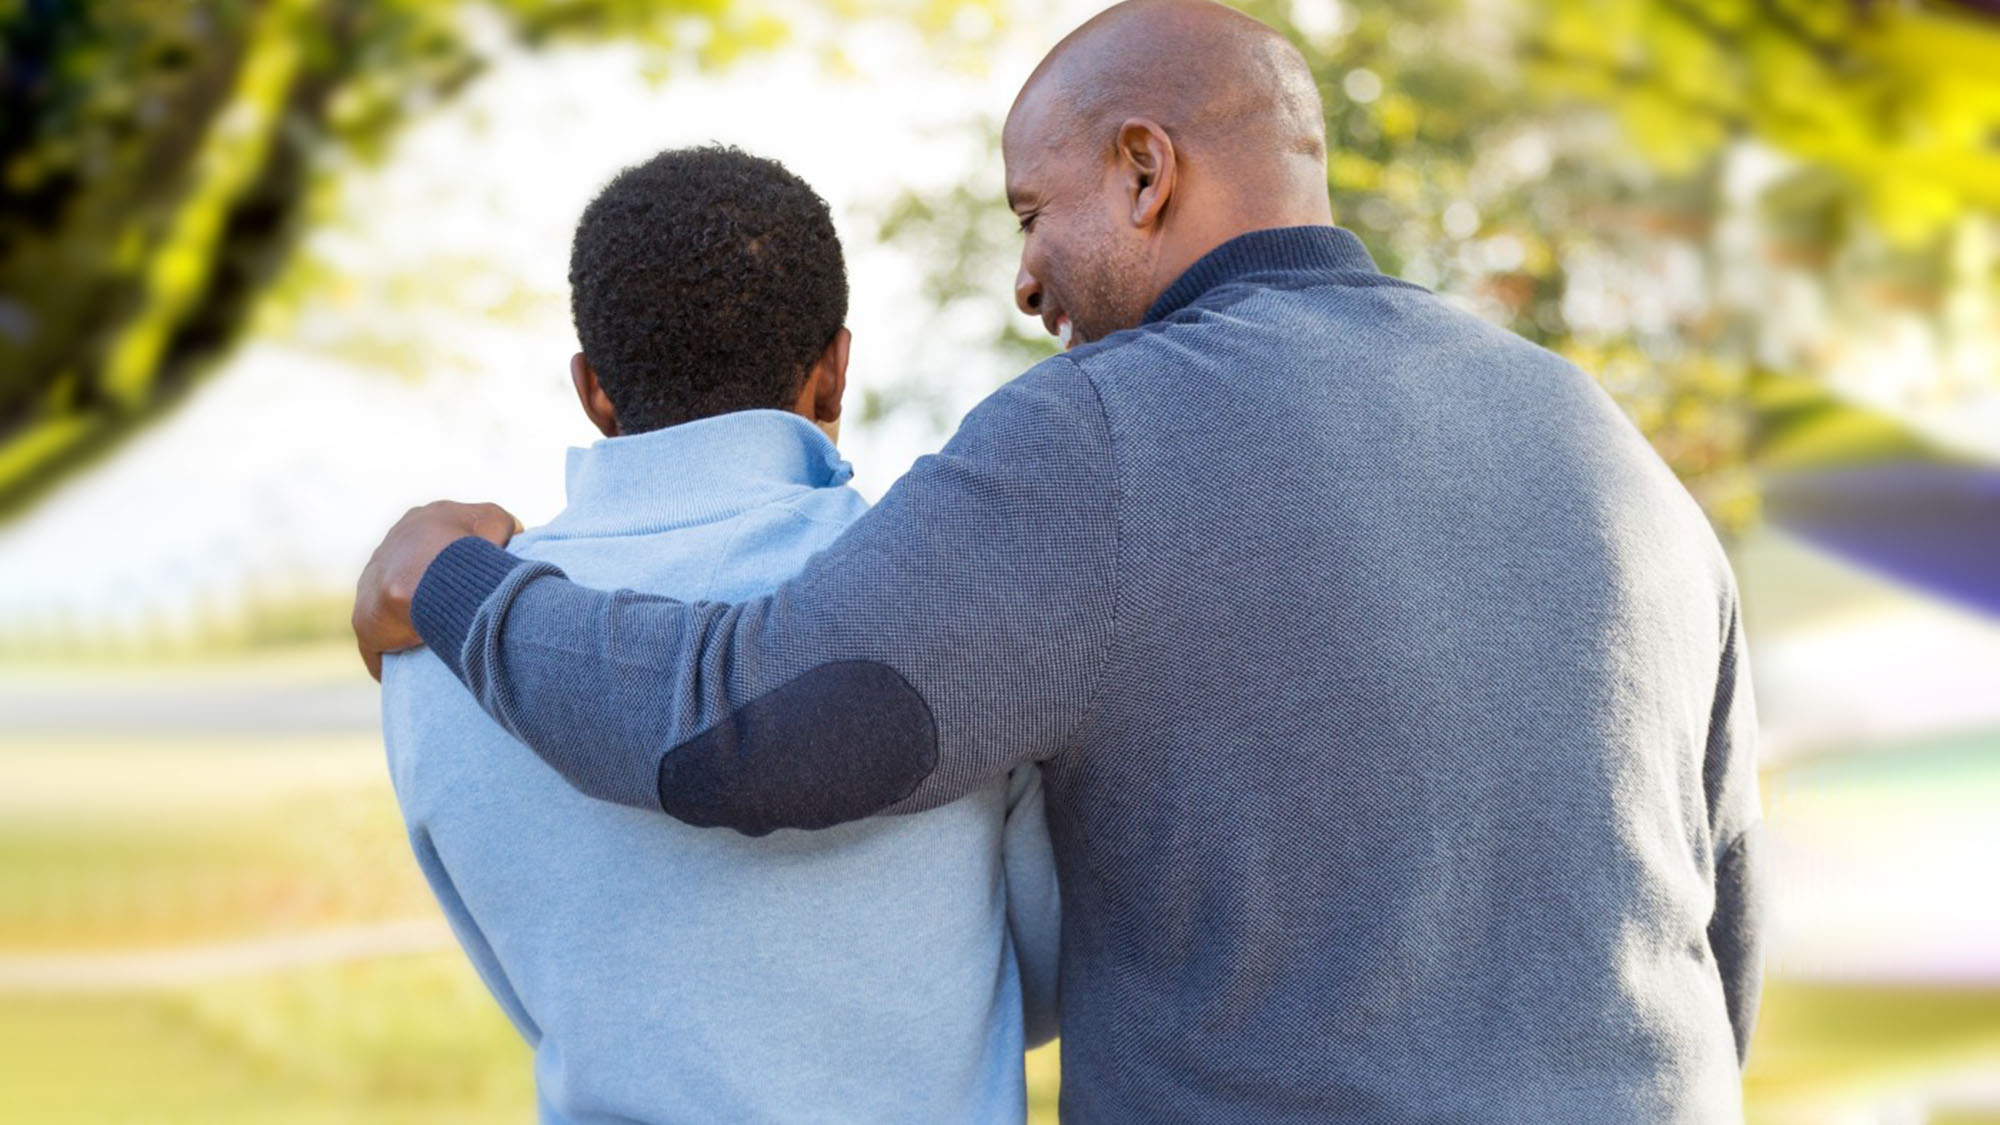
{"x":1028,"y":221}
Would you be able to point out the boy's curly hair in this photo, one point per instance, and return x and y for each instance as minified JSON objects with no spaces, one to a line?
{"x":704,"y":281}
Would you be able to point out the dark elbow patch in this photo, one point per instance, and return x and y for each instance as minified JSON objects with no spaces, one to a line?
{"x":841,"y":742}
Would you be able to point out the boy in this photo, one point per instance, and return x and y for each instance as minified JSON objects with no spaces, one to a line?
{"x":874,"y":972}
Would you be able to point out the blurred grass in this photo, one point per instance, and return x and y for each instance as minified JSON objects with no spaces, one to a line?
{"x":112,"y":844}
{"x":1044,"y":1083}
{"x":117,"y":844}
{"x":120,"y":844}
{"x":1823,"y":1048}
{"x":398,"y":1039}
{"x":415,"y":1039}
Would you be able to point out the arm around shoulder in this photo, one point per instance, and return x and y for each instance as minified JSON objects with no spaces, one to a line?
{"x":956,"y":630}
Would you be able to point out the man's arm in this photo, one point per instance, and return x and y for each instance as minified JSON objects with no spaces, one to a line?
{"x":957,"y":629}
{"x":1736,"y":929}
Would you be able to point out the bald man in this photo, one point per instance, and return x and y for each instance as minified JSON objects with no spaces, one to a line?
{"x":1389,"y":691}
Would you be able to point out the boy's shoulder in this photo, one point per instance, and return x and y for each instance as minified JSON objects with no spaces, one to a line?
{"x":739,"y":554}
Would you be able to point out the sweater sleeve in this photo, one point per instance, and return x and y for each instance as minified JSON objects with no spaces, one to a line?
{"x":954,"y":631}
{"x":1736,"y":928}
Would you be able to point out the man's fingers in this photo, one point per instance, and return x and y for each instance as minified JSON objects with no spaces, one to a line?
{"x":382,"y":596}
{"x":493,"y":523}
{"x":380,"y":629}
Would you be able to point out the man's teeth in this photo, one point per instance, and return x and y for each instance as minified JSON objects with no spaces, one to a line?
{"x":1063,"y":332}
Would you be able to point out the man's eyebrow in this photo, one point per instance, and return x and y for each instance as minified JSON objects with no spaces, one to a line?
{"x":1018,"y":199}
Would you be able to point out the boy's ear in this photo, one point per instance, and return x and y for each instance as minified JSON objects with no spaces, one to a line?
{"x":589,"y":392}
{"x":825,"y":384}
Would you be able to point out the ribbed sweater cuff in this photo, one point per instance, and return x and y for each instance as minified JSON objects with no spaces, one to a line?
{"x":448,"y":597}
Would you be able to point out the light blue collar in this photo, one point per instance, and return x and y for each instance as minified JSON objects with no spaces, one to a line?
{"x":697,"y":472}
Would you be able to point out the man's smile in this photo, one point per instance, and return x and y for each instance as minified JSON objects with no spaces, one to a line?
{"x":1058,"y":325}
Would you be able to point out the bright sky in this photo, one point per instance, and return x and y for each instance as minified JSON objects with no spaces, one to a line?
{"x":282,"y":472}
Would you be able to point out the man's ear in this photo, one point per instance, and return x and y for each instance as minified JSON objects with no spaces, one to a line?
{"x":1146,"y":159}
{"x":825,"y":383}
{"x":596,"y":404}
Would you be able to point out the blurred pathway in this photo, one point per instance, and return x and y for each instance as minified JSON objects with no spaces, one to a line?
{"x":73,"y":973}
{"x":37,"y":703}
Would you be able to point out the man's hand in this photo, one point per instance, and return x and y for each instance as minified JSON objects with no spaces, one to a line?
{"x":382,"y":597}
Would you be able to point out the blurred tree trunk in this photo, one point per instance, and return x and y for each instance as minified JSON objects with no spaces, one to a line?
{"x":156,"y":158}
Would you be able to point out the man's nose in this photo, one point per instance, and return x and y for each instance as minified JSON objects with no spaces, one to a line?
{"x":1027,"y":293}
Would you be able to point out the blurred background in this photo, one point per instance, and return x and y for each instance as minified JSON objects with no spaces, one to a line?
{"x":272,"y":271}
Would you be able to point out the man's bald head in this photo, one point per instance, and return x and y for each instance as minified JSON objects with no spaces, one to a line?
{"x":1223,"y":86}
{"x":1149,"y":136}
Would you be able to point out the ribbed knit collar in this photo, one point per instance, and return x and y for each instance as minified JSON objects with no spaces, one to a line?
{"x":695,"y":472}
{"x":1278,"y":250}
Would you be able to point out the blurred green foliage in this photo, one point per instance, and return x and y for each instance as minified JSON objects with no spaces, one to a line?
{"x":156,"y":157}
{"x":1518,"y":155}
{"x":1893,"y":107}
{"x":1635,"y":184}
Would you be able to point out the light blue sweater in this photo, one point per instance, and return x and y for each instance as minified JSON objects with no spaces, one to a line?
{"x":874,"y":972}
